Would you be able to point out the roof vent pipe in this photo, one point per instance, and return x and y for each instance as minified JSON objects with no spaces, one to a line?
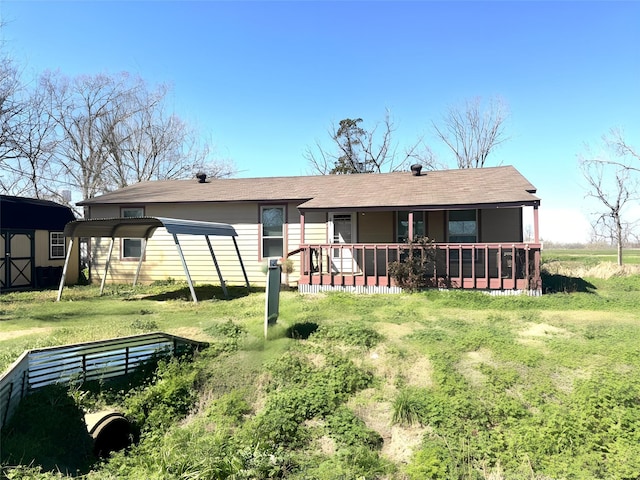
{"x":416,"y":168}
{"x":202,"y":177}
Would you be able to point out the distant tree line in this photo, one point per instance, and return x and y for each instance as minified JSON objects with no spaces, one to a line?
{"x":91,"y":134}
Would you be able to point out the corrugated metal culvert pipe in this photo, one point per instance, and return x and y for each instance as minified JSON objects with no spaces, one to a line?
{"x":110,"y":430}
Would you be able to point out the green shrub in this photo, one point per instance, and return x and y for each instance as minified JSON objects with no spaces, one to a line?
{"x":169,"y":397}
{"x":409,"y":406}
{"x":415,"y":268}
{"x":349,"y":333}
{"x":348,"y":430}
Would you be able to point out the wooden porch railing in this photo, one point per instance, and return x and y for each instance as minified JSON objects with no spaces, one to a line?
{"x":488,"y":266}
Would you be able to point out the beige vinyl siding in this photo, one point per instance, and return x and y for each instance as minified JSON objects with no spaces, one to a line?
{"x":500,"y":225}
{"x":41,"y":257}
{"x":162,"y":260}
{"x":435,"y":226}
{"x":375,"y":227}
{"x":315,"y":227}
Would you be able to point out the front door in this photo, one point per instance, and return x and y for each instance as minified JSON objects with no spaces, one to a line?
{"x":342,"y":229}
{"x":17,"y":248}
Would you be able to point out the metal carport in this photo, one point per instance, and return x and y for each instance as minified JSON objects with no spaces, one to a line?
{"x":144,"y":228}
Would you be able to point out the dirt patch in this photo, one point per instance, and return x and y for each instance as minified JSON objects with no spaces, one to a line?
{"x":21,"y":333}
{"x":421,"y":372}
{"x":399,"y":442}
{"x":543,"y":330}
{"x":468,"y":366}
{"x":396,"y":331}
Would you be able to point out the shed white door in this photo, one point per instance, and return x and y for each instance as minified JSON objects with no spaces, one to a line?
{"x":342,"y":229}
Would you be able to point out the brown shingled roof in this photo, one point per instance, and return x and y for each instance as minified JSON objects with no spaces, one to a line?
{"x":481,"y":186}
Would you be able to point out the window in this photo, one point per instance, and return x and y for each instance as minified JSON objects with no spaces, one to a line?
{"x":272,"y":220}
{"x":463,"y":226}
{"x":131,"y":247}
{"x":57,"y":245}
{"x":402,"y":227}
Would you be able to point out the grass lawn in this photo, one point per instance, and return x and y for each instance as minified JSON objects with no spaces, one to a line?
{"x":590,"y":256}
{"x":439,"y":385}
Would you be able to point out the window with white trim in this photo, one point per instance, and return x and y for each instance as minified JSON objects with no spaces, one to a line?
{"x":131,"y":247}
{"x":57,"y":245}
{"x":272,"y":221}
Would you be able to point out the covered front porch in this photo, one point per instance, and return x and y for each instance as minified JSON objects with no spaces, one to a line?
{"x":483,"y":266}
{"x":479,"y":247}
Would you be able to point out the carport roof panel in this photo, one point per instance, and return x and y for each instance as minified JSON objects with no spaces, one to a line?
{"x":144,"y":227}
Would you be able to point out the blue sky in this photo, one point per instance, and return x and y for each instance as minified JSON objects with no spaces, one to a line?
{"x":265,"y":80}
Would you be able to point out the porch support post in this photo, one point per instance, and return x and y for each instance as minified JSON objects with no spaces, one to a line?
{"x":64,"y":269}
{"x":142,"y":254}
{"x":244,"y":272}
{"x":410,"y":227}
{"x":536,"y":231}
{"x":186,"y":270}
{"x":215,"y":262}
{"x":106,"y":266}
{"x":301,"y":228}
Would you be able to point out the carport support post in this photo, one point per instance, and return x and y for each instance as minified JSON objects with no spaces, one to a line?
{"x":106,"y":267}
{"x":64,"y":269}
{"x":186,"y":270}
{"x":144,"y":250}
{"x":244,"y":272}
{"x":215,"y":262}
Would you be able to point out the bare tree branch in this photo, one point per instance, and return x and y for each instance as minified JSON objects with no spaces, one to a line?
{"x":357,"y":150}
{"x":472,"y":132}
{"x":614,"y":186}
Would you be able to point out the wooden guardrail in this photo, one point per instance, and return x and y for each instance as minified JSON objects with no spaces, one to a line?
{"x":80,"y":362}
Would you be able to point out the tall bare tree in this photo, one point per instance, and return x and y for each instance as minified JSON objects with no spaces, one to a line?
{"x":613,"y":182}
{"x":357,"y":150}
{"x":33,"y":170}
{"x":473,"y":130}
{"x":11,"y":108}
{"x":95,"y":133}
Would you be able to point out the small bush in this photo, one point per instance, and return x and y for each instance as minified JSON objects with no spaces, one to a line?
{"x":349,"y":430}
{"x":414,"y":270}
{"x":408,"y":407}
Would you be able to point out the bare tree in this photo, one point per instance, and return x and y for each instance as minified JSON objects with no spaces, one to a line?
{"x":114,"y":131}
{"x":32,"y":169}
{"x":625,"y":155}
{"x":472,"y":131}
{"x":614,"y":186}
{"x":11,"y":107}
{"x":357,"y":150}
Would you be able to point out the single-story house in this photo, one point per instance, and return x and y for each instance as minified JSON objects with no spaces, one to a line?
{"x":340,"y":231}
{"x":32,"y":243}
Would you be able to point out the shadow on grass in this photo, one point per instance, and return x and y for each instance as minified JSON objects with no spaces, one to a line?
{"x":301,"y":331}
{"x":203,"y":293}
{"x":48,"y":430}
{"x":555,"y":283}
{"x":48,"y":427}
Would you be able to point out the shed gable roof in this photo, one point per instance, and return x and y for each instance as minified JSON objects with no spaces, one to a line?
{"x":440,"y":188}
{"x":33,"y":214}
